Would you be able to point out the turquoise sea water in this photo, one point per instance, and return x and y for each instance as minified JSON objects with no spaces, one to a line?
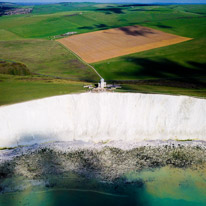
{"x":165,"y":186}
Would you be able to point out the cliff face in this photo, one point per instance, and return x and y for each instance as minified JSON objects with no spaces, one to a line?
{"x":102,"y":117}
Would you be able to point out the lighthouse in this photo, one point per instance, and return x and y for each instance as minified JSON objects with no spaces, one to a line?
{"x":102,"y":84}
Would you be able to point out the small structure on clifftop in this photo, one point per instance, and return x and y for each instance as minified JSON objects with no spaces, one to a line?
{"x":102,"y":84}
{"x":102,"y":87}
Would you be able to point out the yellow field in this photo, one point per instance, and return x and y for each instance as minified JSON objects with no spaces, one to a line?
{"x":105,"y":44}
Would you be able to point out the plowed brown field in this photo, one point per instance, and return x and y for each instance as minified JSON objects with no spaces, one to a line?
{"x":106,"y":44}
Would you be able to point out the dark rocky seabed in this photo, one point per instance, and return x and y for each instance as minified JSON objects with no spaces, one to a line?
{"x":115,"y":173}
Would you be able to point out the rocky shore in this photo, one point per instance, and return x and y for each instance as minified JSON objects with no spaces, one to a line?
{"x":105,"y":161}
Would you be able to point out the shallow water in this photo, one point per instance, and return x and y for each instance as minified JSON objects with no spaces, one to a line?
{"x":157,"y":187}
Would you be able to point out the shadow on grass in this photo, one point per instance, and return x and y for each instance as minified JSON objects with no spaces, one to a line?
{"x":128,"y":30}
{"x":86,"y":27}
{"x":165,"y":69}
{"x":146,"y":10}
{"x":136,"y":31}
{"x":164,"y":26}
{"x":138,"y":5}
{"x":114,"y":10}
{"x":101,"y":26}
{"x":95,"y":26}
{"x":132,"y":30}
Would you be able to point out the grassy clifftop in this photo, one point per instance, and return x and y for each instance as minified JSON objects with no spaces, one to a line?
{"x":27,"y":39}
{"x":15,"y":89}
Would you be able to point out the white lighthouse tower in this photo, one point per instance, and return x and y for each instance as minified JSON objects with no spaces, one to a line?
{"x":102,"y":84}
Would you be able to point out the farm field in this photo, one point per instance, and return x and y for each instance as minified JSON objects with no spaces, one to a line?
{"x":106,"y":44}
{"x":29,"y":39}
{"x":47,"y":21}
{"x":183,"y":62}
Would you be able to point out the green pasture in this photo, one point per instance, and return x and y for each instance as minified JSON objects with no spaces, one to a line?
{"x":15,"y":89}
{"x":28,"y":39}
{"x":185,"y":60}
{"x":47,"y":21}
{"x":180,"y":61}
{"x":162,"y":89}
{"x":46,"y":57}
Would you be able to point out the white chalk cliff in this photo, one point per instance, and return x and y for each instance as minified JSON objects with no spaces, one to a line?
{"x":103,"y":116}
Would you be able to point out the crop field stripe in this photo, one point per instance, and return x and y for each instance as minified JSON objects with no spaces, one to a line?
{"x":106,"y":44}
{"x":156,"y":45}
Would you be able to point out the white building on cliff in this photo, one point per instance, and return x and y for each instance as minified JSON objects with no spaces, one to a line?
{"x":102,"y":84}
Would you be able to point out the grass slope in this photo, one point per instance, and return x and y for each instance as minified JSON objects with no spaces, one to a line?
{"x":46,"y":57}
{"x":49,"y":20}
{"x":189,"y":90}
{"x":182,"y":60}
{"x":25,"y":39}
{"x":15,"y":89}
{"x":7,"y":35}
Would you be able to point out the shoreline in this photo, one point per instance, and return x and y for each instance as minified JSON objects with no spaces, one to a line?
{"x":72,"y":146}
{"x":49,"y":165}
{"x":107,"y":161}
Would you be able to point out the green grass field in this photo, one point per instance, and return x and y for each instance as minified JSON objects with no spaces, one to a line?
{"x":184,"y":60}
{"x":15,"y":89}
{"x":162,"y":89}
{"x":46,"y":57}
{"x":27,"y":39}
{"x":50,"y":20}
